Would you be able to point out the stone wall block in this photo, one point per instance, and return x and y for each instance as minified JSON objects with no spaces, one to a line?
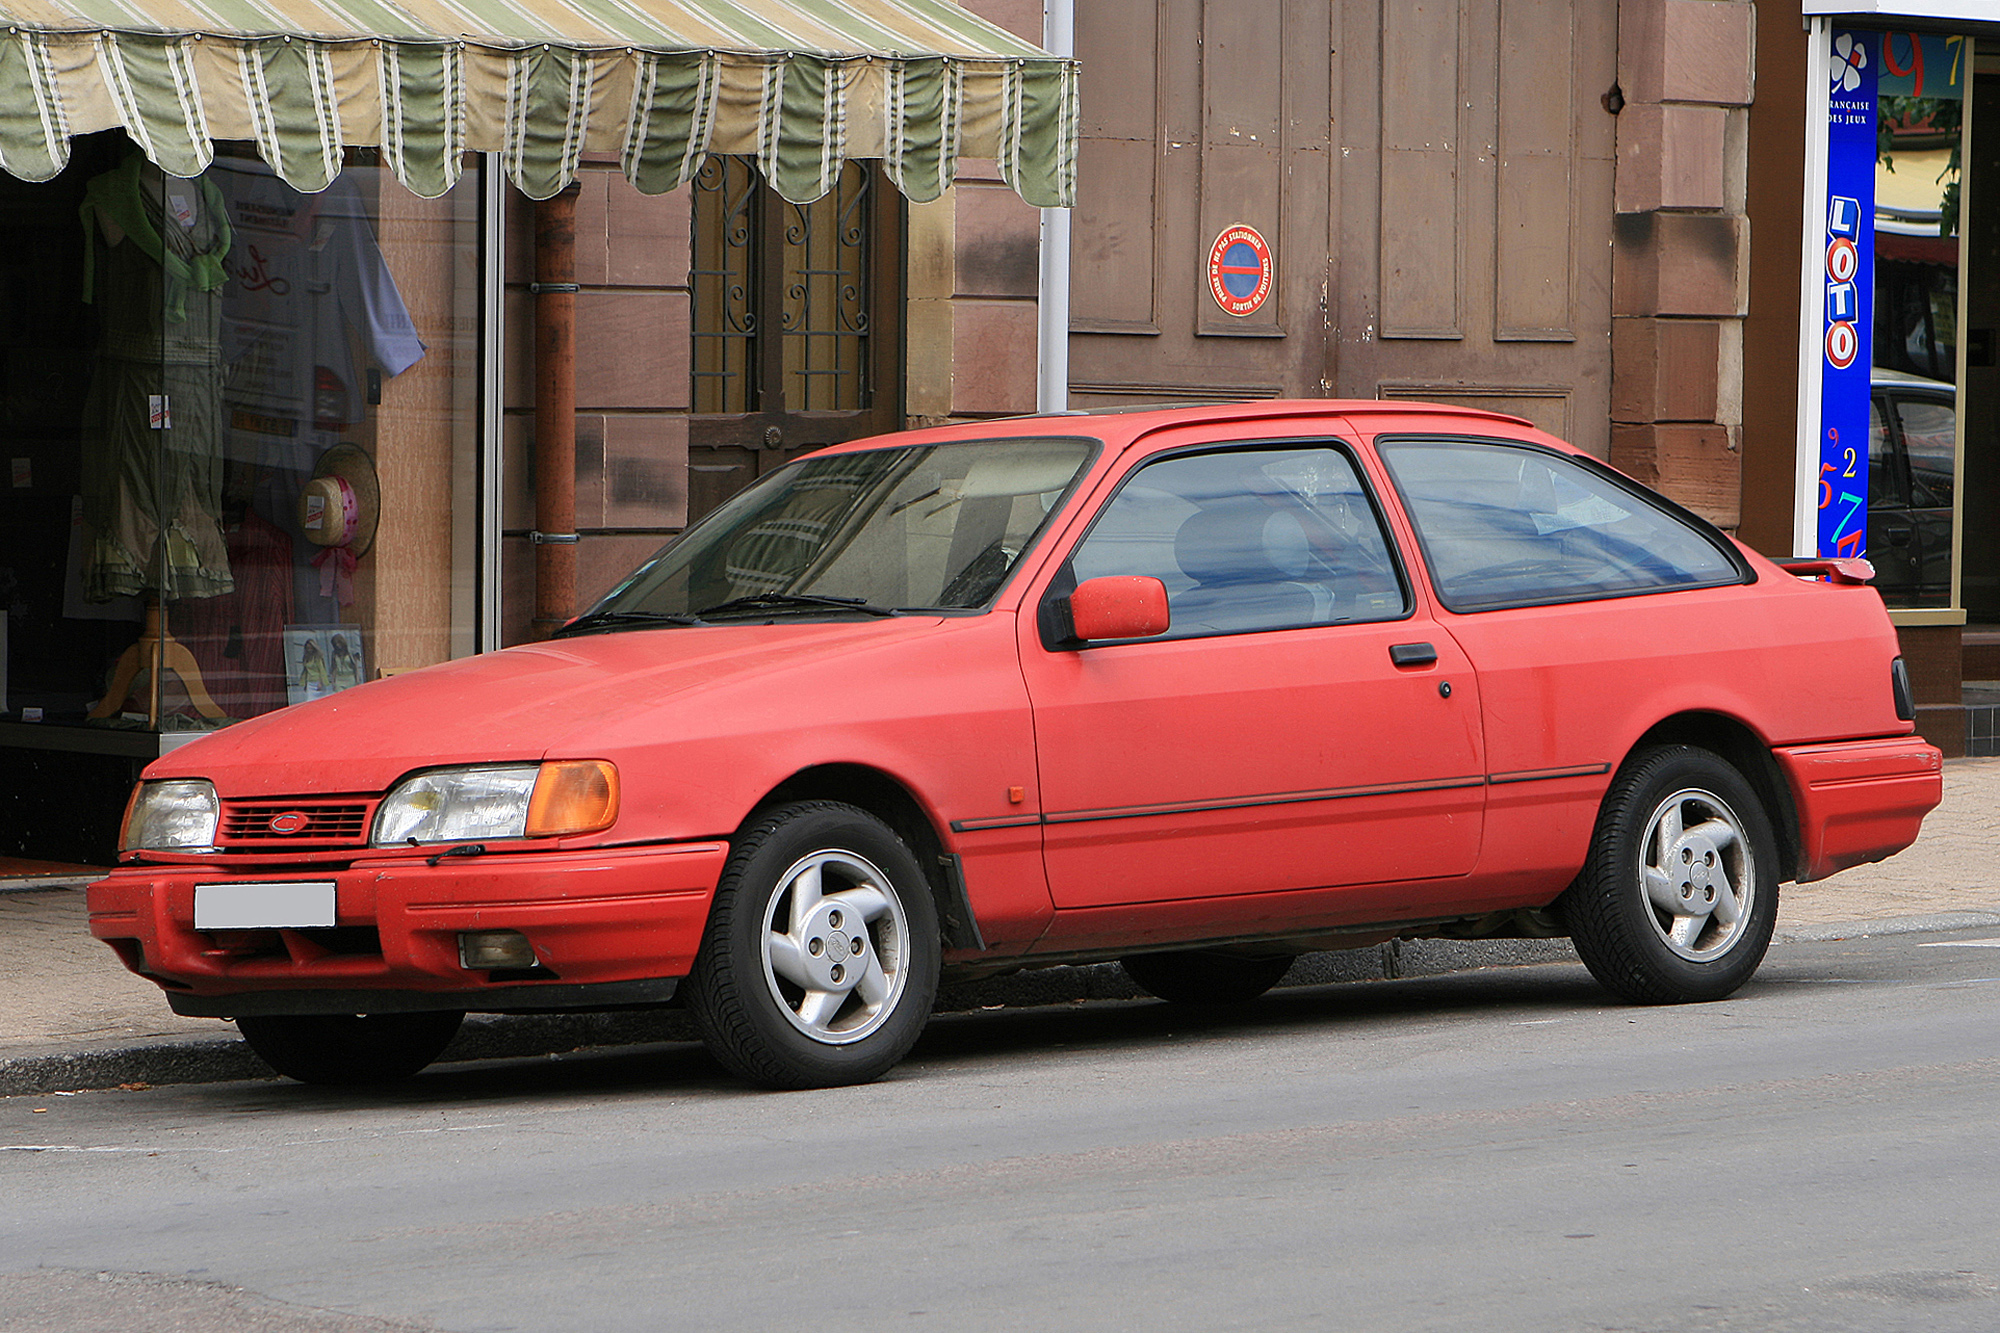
{"x":593,"y":225}
{"x":929,"y":247}
{"x":1686,"y":51}
{"x":633,"y":349}
{"x":927,"y":389}
{"x":517,"y":221}
{"x":1698,"y":465}
{"x":997,"y":245}
{"x":1023,"y":18}
{"x":645,"y":471}
{"x":1679,"y":264}
{"x":517,"y":332}
{"x":1671,"y":157}
{"x":993,"y":362}
{"x":650,"y":236}
{"x":589,"y":472}
{"x":1665,"y":370}
{"x":517,"y":471}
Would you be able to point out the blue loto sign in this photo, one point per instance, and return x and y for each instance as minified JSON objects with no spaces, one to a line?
{"x":1850,"y":294}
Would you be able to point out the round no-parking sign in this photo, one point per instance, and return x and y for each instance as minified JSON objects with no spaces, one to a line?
{"x":1239,"y":270}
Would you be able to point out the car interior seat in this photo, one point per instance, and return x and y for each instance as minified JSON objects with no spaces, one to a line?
{"x":1249,"y":562}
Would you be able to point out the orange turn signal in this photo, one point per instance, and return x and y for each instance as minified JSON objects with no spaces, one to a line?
{"x":573,"y":796}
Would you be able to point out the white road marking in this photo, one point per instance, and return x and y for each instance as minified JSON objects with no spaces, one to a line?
{"x":155,"y":1151}
{"x":1961,"y":944}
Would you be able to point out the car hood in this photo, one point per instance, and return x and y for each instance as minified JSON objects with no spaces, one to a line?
{"x":568,"y":698}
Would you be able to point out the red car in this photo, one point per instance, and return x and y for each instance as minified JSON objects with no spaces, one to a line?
{"x":1199,"y":689}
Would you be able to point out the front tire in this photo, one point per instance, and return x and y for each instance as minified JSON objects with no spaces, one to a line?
{"x":1205,"y":976}
{"x":349,"y":1049}
{"x":820,"y":962}
{"x":1680,"y":895}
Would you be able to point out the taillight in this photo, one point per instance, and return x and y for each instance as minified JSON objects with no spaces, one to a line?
{"x":1899,"y":685}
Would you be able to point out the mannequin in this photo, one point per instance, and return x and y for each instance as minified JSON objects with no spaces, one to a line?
{"x":152,"y":423}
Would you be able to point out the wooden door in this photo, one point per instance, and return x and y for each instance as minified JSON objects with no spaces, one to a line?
{"x":1433,"y":179}
{"x":1218,"y":117}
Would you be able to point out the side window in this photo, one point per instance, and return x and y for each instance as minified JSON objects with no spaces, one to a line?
{"x":1246,"y":540}
{"x":1506,"y":525}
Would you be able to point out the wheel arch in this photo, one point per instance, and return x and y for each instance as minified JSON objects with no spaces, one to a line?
{"x":1748,"y":753}
{"x":890,"y":801}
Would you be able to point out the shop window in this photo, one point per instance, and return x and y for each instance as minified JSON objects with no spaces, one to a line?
{"x":244,"y":425}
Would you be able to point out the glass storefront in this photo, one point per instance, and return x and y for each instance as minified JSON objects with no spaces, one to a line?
{"x":1883,"y":357}
{"x":1913,"y":399}
{"x":244,"y":433}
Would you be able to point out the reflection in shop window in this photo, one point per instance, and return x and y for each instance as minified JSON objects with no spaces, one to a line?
{"x":1914,"y":348}
{"x":272,"y":447}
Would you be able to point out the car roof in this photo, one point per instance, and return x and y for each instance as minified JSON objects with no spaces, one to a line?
{"x":1123,"y":425}
{"x":1897,"y":379}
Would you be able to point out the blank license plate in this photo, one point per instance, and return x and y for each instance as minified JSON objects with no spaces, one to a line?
{"x":277,"y":903}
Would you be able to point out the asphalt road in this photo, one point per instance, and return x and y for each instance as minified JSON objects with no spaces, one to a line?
{"x":1495,"y":1150}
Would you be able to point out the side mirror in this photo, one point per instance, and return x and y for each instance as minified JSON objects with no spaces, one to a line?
{"x":1119,"y":606}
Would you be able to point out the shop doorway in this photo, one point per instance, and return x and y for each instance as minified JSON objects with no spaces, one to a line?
{"x":797,"y":322}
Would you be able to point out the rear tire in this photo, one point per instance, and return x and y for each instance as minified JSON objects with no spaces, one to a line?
{"x":1679,"y":897}
{"x":1205,"y":976}
{"x":349,"y":1049}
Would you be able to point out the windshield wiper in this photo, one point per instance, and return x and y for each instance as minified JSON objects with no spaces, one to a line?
{"x":599,"y":620}
{"x":796,"y":601}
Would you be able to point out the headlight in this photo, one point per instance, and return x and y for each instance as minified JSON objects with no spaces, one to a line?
{"x":177,"y":815}
{"x":499,"y":801}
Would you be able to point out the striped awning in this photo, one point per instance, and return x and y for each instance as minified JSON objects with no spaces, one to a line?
{"x":801,"y":85}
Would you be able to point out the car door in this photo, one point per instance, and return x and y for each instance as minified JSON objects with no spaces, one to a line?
{"x":1303,"y":724}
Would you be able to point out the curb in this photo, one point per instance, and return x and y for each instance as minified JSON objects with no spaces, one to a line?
{"x":1894,"y":925}
{"x":504,"y":1036}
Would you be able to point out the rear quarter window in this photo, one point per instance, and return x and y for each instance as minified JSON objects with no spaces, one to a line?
{"x":1505,"y":525}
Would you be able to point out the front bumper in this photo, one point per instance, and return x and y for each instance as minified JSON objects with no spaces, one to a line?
{"x":607,"y":927}
{"x":1860,"y":801}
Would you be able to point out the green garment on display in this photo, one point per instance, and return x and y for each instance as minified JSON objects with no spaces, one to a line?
{"x":158,"y":289}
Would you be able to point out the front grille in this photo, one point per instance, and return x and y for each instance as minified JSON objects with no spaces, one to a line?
{"x":268,"y":825}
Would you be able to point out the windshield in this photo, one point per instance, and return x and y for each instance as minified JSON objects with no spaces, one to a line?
{"x":920,"y":528}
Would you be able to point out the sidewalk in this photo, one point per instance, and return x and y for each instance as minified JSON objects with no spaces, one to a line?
{"x":72,"y":1017}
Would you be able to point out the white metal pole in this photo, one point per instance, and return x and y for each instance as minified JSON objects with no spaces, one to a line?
{"x":1052,"y":312}
{"x":1812,"y":291}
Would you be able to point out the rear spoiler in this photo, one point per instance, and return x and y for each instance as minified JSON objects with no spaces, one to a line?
{"x":1848,"y":569}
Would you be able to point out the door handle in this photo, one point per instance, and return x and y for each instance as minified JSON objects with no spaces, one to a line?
{"x":1899,"y":536}
{"x":1412,"y":654}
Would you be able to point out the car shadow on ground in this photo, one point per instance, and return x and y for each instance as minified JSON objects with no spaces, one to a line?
{"x":1343,"y":1009}
{"x":955,"y":1041}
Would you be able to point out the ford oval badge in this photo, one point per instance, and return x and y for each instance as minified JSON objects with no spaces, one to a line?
{"x":292,"y":821}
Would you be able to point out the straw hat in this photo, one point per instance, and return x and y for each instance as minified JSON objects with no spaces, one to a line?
{"x":342,"y":503}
